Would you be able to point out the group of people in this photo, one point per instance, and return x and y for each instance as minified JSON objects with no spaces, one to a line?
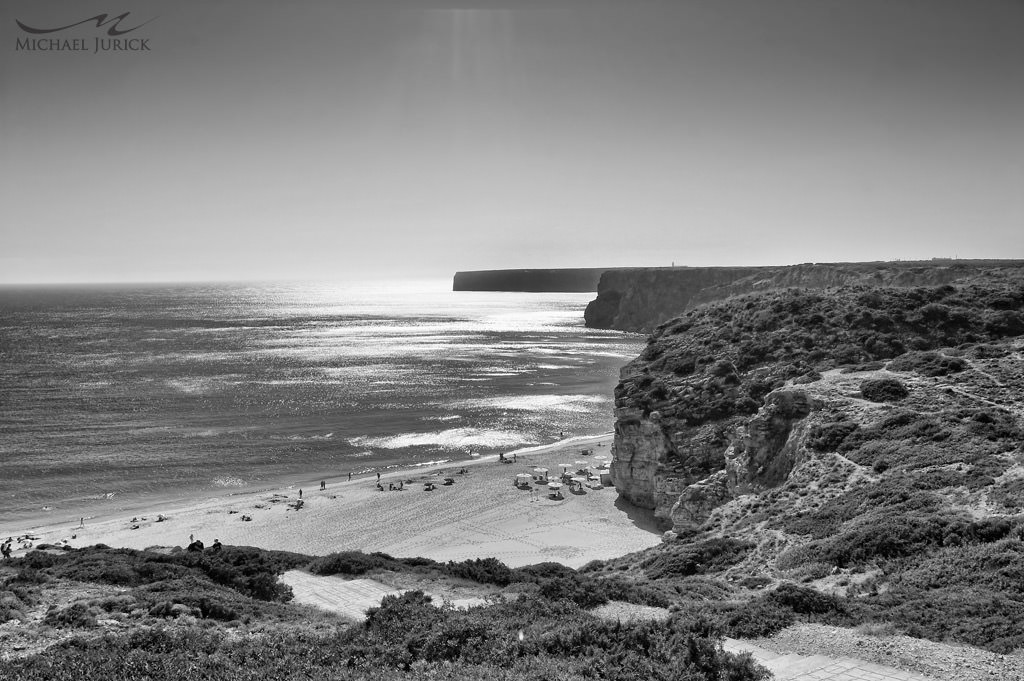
{"x":24,"y":542}
{"x":197,"y":546}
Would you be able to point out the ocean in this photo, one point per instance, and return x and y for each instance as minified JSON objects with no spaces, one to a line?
{"x":114,"y":396}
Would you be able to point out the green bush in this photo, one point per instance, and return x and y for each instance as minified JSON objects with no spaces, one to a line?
{"x":928,"y":363}
{"x":681,"y":559}
{"x":883,"y":390}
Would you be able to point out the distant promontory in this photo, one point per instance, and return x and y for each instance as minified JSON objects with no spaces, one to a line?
{"x":573,"y":280}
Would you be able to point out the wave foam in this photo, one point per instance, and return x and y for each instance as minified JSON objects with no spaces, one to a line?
{"x":535,"y":403}
{"x":453,"y":438}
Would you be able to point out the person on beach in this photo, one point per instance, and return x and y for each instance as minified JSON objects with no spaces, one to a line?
{"x":81,"y":522}
{"x":5,"y":549}
{"x":350,"y":476}
{"x":323,"y":485}
{"x":378,"y":477}
{"x":300,"y":493}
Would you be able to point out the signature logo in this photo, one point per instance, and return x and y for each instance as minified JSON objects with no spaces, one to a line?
{"x":100,"y":19}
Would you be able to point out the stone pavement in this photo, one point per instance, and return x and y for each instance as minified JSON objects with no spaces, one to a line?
{"x":793,"y":667}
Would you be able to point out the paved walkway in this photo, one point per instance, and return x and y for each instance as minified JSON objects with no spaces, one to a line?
{"x":793,"y":667}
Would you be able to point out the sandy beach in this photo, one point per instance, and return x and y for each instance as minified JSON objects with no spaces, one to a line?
{"x":481,"y":514}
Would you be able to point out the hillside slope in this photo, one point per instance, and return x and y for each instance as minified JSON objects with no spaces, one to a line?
{"x":864,"y":440}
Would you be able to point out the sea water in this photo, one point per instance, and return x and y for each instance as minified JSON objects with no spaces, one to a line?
{"x":110,"y":396}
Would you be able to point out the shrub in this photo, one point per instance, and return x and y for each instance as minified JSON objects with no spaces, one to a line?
{"x":684,"y":559}
{"x":883,"y":390}
{"x":805,"y":601}
{"x":77,"y":614}
{"x":481,"y":570}
{"x":928,"y":363}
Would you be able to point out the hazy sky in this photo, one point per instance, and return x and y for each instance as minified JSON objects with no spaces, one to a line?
{"x":259,"y":139}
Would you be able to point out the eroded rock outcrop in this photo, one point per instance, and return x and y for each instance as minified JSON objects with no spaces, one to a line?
{"x":762,"y":456}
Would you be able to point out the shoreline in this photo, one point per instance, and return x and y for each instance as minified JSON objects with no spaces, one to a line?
{"x":480,"y":515}
{"x":39,"y":520}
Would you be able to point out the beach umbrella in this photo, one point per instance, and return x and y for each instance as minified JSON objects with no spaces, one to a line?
{"x":541,"y":471}
{"x":582,"y":463}
{"x":565,"y":466}
{"x":554,"y":485}
{"x":579,"y":478}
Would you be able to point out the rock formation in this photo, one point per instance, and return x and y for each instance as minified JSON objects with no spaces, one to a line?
{"x":579,"y":280}
{"x":639,"y":299}
{"x":730,"y":400}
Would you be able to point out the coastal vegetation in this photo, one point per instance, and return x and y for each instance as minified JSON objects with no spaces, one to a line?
{"x":178,"y":615}
{"x":867,"y":443}
{"x":850,"y":457}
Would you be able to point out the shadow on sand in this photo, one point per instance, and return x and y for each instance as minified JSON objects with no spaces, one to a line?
{"x":641,"y":517}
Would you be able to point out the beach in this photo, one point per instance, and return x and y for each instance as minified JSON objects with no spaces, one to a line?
{"x":480,"y":514}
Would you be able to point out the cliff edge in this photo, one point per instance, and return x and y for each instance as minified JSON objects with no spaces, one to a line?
{"x":639,"y":299}
{"x":578,"y":280}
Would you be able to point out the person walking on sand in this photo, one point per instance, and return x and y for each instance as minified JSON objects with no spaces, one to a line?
{"x":300,"y":493}
{"x":378,"y":477}
{"x":81,"y":522}
{"x":323,"y":485}
{"x":350,"y":476}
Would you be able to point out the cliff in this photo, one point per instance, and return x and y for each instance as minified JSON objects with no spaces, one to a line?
{"x":580,"y":280}
{"x":639,"y":299}
{"x":724,"y":401}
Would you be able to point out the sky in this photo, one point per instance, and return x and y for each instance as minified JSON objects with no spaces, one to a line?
{"x":316,"y":139}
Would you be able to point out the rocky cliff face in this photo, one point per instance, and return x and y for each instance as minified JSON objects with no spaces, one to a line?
{"x":730,"y":400}
{"x":640,"y":299}
{"x":580,"y":280}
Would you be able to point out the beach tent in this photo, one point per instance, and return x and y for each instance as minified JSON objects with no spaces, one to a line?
{"x":523,"y":479}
